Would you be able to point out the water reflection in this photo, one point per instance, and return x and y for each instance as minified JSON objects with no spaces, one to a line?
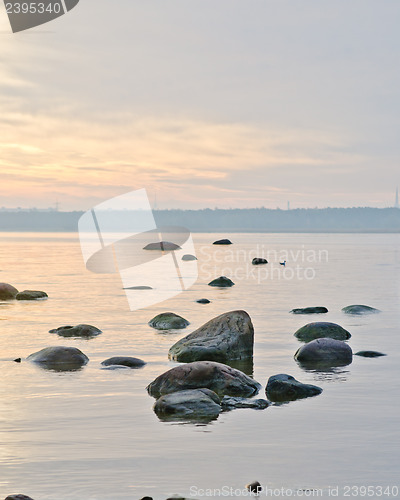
{"x":244,"y":365}
{"x":327,"y":374}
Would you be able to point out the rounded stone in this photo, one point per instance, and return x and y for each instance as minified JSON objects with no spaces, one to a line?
{"x":284,"y":387}
{"x":223,"y":242}
{"x":203,"y":301}
{"x":221,"y":282}
{"x":162,"y":245}
{"x":124,"y":361}
{"x":168,"y":321}
{"x":59,"y":358}
{"x":77,"y":331}
{"x":31,"y":295}
{"x":192,"y":403}
{"x":324,"y":352}
{"x":359,"y":309}
{"x":7,"y":291}
{"x":258,"y":261}
{"x":321,"y":330}
{"x":310,"y":310}
{"x":188,"y":257}
{"x":370,"y":354}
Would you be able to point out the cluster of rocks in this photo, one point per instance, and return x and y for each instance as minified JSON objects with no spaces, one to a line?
{"x":9,"y":292}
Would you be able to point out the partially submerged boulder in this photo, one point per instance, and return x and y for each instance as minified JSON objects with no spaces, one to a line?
{"x":359,"y":309}
{"x":7,"y":291}
{"x":168,"y":321}
{"x":82,"y":330}
{"x":188,"y":257}
{"x":31,"y":295}
{"x":370,"y":354}
{"x":222,"y":282}
{"x":18,"y":497}
{"x":162,"y":245}
{"x":59,"y":358}
{"x":310,"y":310}
{"x":218,"y":377}
{"x":258,"y":261}
{"x":127,"y":361}
{"x":321,"y":330}
{"x":203,"y":301}
{"x":223,"y":242}
{"x":192,"y":403}
{"x":227,"y":337}
{"x":282,"y":387}
{"x":324,"y":352}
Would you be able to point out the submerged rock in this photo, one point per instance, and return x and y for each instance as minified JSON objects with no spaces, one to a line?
{"x":168,"y":321}
{"x":31,"y":295}
{"x":189,"y":257}
{"x":324,"y":352}
{"x":310,"y":310}
{"x":220,"y":378}
{"x":370,"y":354}
{"x":258,"y":260}
{"x":222,"y":242}
{"x":227,"y":337}
{"x":203,"y":301}
{"x":7,"y":291}
{"x":76,"y":331}
{"x":230,"y":402}
{"x":321,"y":330}
{"x":359,"y":309}
{"x":124,"y":361}
{"x":222,"y":282}
{"x":192,"y":403}
{"x":284,"y":387}
{"x":59,"y":358}
{"x":162,"y":245}
{"x":18,"y":497}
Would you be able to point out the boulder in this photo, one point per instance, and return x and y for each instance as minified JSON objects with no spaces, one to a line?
{"x":359,"y":309}
{"x":222,"y":242}
{"x":321,"y":330}
{"x":162,"y":245}
{"x":59,"y":358}
{"x":258,"y":260}
{"x":369,"y":354}
{"x":188,"y":256}
{"x":76,"y":331}
{"x":310,"y":310}
{"x":7,"y":292}
{"x":220,"y":378}
{"x":18,"y":497}
{"x":31,"y":295}
{"x":203,"y":301}
{"x":192,"y":403}
{"x":284,"y":387}
{"x":324,"y":352}
{"x":227,"y":337}
{"x":124,"y":361}
{"x":168,"y":321}
{"x":230,"y":402}
{"x":222,"y":282}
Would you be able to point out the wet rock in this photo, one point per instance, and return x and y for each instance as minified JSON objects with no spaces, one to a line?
{"x":196,"y":403}
{"x":59,"y":358}
{"x":310,"y":310}
{"x":203,"y":301}
{"x":124,"y":361}
{"x":222,"y":282}
{"x":168,"y":321}
{"x":324,"y":352}
{"x":321,"y":330}
{"x":227,"y":337}
{"x":254,"y":487}
{"x":359,"y":309}
{"x":76,"y":331}
{"x":222,"y":242}
{"x":370,"y":354}
{"x":284,"y":387}
{"x":218,"y":377}
{"x":258,"y":261}
{"x":189,"y":257}
{"x":162,"y":245}
{"x":18,"y":497}
{"x":230,"y":402}
{"x":7,"y":291}
{"x":17,"y":360}
{"x":31,"y":295}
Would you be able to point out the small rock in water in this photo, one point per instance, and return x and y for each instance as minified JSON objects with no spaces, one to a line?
{"x":258,"y":260}
{"x":222,"y":242}
{"x":168,"y":321}
{"x":77,"y":331}
{"x":229,"y":402}
{"x":126,"y":361}
{"x":370,"y":354}
{"x":324,"y":352}
{"x":59,"y":358}
{"x":310,"y":310}
{"x":320,"y":330}
{"x":359,"y":309}
{"x":192,"y":403}
{"x":146,"y":498}
{"x":162,"y":245}
{"x":7,"y":291}
{"x":189,"y":257}
{"x":254,"y":487}
{"x":18,"y":360}
{"x":31,"y":295}
{"x":222,"y":282}
{"x":203,"y":301}
{"x":282,"y":387}
{"x":18,"y":497}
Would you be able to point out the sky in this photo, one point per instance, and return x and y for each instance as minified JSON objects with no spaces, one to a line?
{"x":204,"y":103}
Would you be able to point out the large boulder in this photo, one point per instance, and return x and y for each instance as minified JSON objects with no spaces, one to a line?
{"x":321,"y":330}
{"x":77,"y":331}
{"x":31,"y":295}
{"x":258,"y":261}
{"x":162,"y":245}
{"x":168,"y":321}
{"x":221,"y":282}
{"x":192,"y":403}
{"x":222,"y":242}
{"x":227,"y":337}
{"x":220,"y":378}
{"x":310,"y":310}
{"x":7,"y":291}
{"x":124,"y":361}
{"x":284,"y":387}
{"x":359,"y":309}
{"x":323,"y":353}
{"x":59,"y":358}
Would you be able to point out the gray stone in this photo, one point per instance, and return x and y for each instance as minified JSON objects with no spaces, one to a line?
{"x":258,"y":261}
{"x":7,"y":291}
{"x":124,"y":361}
{"x":59,"y":358}
{"x":323,"y":353}
{"x":77,"y":331}
{"x":31,"y":295}
{"x":310,"y":310}
{"x":321,"y":330}
{"x":193,"y":403}
{"x":220,"y":378}
{"x":189,"y":257}
{"x":369,"y":354}
{"x":168,"y":321}
{"x":359,"y":309}
{"x":221,"y":282}
{"x":222,"y":242}
{"x":162,"y":245}
{"x":18,"y":497}
{"x":284,"y":387}
{"x":203,"y":301}
{"x":227,"y":337}
{"x":230,"y":402}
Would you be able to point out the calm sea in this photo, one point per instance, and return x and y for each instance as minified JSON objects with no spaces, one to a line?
{"x":92,"y":434}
